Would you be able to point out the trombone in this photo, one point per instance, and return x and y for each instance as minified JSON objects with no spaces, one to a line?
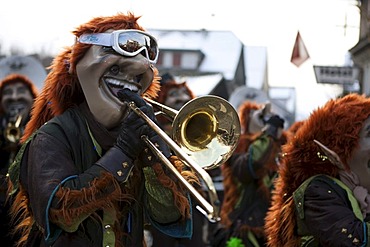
{"x":205,"y":132}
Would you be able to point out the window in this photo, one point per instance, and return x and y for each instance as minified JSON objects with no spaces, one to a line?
{"x":180,"y":59}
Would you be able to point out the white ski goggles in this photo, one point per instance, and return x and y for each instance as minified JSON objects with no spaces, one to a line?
{"x":128,"y":42}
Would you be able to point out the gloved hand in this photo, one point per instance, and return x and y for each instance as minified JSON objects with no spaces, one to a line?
{"x":133,"y":127}
{"x":148,"y":157}
{"x":274,"y":126}
{"x":119,"y":160}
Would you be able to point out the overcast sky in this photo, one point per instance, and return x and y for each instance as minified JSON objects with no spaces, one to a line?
{"x":41,"y":25}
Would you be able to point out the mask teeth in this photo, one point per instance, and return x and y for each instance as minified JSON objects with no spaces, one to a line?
{"x":116,"y":85}
{"x":16,"y":107}
{"x":114,"y":88}
{"x":131,"y":87}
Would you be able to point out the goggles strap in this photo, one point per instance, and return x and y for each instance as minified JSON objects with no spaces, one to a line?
{"x":103,"y":39}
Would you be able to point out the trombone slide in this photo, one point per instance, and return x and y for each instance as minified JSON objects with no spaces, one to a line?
{"x":211,"y":210}
{"x":208,"y":210}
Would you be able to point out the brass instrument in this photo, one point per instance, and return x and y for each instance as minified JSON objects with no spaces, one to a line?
{"x":13,"y":130}
{"x":205,"y":133}
{"x":12,"y":135}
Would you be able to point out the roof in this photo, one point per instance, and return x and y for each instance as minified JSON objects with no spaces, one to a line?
{"x":224,"y":58}
{"x":222,"y":49}
{"x":255,"y":58}
{"x":201,"y":85}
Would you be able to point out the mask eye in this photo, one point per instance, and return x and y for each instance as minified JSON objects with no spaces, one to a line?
{"x":7,"y":91}
{"x":114,"y":69}
{"x":107,"y":49}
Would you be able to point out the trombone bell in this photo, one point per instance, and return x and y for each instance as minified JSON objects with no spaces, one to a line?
{"x":207,"y":128}
{"x":198,"y":130}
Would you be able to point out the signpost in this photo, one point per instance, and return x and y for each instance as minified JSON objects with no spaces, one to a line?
{"x":337,"y":75}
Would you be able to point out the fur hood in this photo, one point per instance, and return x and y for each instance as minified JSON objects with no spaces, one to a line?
{"x":62,"y":89}
{"x":337,"y":125}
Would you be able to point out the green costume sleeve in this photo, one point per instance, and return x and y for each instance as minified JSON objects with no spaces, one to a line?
{"x":160,"y":199}
{"x":260,"y":147}
{"x":258,"y":154}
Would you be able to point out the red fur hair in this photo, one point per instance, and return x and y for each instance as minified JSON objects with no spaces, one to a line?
{"x":337,"y":125}
{"x":244,"y":112}
{"x":62,"y":89}
{"x":290,"y":133}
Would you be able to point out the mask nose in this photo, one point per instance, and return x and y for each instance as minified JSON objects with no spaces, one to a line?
{"x":134,"y":65}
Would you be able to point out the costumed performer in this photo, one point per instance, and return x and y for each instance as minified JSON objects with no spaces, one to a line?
{"x":321,"y":197}
{"x":84,"y":176}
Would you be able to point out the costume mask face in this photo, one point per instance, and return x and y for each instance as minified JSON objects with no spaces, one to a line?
{"x":177,"y":97}
{"x":102,"y":73}
{"x":16,"y":99}
{"x":360,"y":161}
{"x":257,"y":119}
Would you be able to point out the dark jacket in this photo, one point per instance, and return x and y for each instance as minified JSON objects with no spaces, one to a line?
{"x":63,"y":184}
{"x":341,"y":221}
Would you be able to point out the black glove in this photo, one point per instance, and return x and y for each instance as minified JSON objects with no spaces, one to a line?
{"x":133,"y":126}
{"x":276,"y":121}
{"x":273,"y":124}
{"x":148,"y":158}
{"x":118,"y":160}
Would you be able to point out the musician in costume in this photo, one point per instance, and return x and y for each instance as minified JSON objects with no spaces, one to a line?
{"x":248,"y":177}
{"x":17,"y":93}
{"x":85,"y":176}
{"x":321,"y":197}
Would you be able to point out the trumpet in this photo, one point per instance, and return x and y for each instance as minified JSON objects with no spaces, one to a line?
{"x":205,"y":132}
{"x":13,"y":130}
